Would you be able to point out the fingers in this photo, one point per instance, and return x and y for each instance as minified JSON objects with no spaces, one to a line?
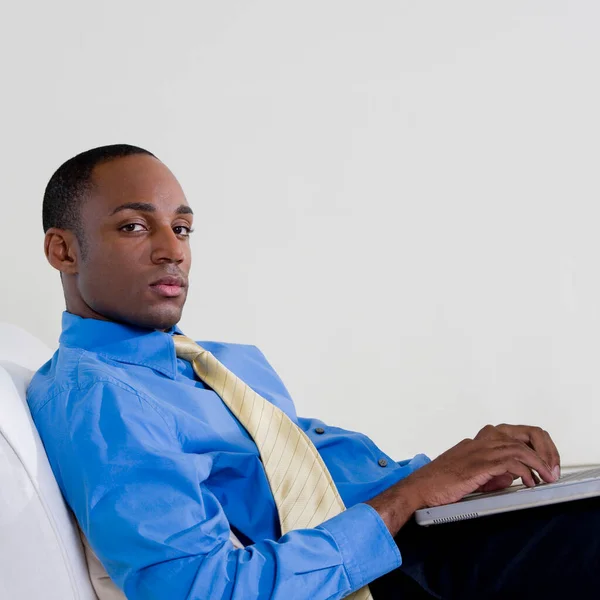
{"x":497,"y":483}
{"x":501,"y":482}
{"x":507,"y":452}
{"x":538,"y":439}
{"x":520,"y":470}
{"x":542,"y":443}
{"x":511,"y":467}
{"x":489,"y":432}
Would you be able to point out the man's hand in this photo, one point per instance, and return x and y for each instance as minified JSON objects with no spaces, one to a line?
{"x":535,"y":437}
{"x":490,"y":461}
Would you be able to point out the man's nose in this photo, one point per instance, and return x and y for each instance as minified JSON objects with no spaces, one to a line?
{"x":167,"y":246}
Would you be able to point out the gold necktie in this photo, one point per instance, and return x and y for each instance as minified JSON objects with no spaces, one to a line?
{"x":304,"y":493}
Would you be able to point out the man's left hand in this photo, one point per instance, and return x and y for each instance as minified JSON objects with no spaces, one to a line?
{"x":536,"y":438}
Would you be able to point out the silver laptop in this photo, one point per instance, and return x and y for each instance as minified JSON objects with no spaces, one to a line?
{"x":575,"y":486}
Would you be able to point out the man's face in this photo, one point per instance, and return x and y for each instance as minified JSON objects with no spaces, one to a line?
{"x":136,"y":223}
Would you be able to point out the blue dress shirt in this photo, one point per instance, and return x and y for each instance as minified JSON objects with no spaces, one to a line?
{"x":158,"y":472}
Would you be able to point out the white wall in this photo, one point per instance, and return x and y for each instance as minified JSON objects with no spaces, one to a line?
{"x":397,"y":201}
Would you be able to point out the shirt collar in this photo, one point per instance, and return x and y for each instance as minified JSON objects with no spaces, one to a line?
{"x":122,"y":343}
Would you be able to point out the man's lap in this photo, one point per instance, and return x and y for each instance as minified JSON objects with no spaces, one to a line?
{"x":547,"y":552}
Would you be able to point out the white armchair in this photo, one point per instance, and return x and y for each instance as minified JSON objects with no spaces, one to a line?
{"x":41,"y":551}
{"x":41,"y":554}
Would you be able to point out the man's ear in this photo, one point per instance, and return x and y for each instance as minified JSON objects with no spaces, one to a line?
{"x":62,"y":250}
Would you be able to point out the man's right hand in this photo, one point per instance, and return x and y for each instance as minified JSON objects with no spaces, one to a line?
{"x":465,"y":468}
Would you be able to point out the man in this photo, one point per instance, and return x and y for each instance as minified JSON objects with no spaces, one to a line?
{"x":164,"y":467}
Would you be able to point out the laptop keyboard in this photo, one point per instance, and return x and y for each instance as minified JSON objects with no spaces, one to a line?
{"x":576,"y":477}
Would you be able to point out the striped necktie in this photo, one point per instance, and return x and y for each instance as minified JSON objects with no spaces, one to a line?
{"x":304,"y":492}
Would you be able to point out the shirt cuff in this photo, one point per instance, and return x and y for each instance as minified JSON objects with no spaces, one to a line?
{"x":368,"y":549}
{"x":416,"y":462}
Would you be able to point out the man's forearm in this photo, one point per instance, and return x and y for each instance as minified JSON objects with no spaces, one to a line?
{"x":396,"y":505}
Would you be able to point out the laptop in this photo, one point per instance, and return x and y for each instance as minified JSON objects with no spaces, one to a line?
{"x":574,"y":486}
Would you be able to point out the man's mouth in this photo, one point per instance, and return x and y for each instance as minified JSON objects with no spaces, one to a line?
{"x":169,"y":287}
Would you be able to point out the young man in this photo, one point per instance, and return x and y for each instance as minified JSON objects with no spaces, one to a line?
{"x":166,"y":451}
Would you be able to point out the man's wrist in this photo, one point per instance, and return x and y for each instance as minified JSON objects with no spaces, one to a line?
{"x":397,"y":504}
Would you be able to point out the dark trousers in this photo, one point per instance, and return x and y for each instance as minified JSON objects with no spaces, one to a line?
{"x":548,"y":552}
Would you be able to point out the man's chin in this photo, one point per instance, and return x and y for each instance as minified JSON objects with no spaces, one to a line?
{"x":163,"y":319}
{"x":160,"y":318}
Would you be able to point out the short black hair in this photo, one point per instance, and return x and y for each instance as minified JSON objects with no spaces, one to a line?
{"x":70,"y":183}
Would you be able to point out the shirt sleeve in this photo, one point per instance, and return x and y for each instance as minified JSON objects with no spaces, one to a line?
{"x":360,"y":469}
{"x":144,"y":502}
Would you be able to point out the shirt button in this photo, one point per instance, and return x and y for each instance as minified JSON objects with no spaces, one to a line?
{"x":319,"y":430}
{"x":382,"y":462}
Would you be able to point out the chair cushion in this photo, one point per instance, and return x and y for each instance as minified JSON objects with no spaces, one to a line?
{"x":41,"y":554}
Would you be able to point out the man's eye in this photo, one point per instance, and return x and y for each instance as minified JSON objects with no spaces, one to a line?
{"x":182,"y":230}
{"x":132,"y":227}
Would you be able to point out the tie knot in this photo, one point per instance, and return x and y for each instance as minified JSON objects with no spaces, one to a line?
{"x":186,"y":348}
